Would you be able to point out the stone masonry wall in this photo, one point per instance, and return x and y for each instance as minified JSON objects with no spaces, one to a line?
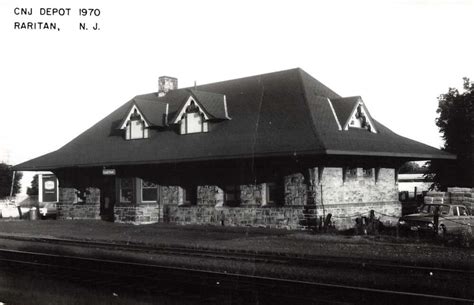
{"x":346,"y":199}
{"x":275,"y":217}
{"x":140,"y":214}
{"x":252,"y":195}
{"x":171,"y":195}
{"x":328,"y":191}
{"x":352,"y":197}
{"x":344,"y":215}
{"x":70,"y":207}
{"x":357,"y":189}
{"x":210,"y":195}
{"x":295,"y":190}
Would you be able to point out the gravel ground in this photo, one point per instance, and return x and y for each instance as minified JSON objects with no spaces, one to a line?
{"x":382,"y":247}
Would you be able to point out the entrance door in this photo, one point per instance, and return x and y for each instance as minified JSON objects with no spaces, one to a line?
{"x":107,"y":198}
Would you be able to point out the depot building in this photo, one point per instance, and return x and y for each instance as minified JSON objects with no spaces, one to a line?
{"x":275,"y":150}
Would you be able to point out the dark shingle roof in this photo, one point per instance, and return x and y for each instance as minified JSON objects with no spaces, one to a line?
{"x":343,"y":108}
{"x":213,"y":103}
{"x":153,"y":111}
{"x":279,"y":113}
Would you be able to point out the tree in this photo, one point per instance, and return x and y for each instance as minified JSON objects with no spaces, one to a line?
{"x":456,"y":123}
{"x":33,"y":190}
{"x":6,"y":175}
{"x":412,"y":168}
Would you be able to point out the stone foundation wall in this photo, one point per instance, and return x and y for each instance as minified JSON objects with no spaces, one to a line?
{"x":287,"y":217}
{"x":78,"y":211}
{"x":71,"y":206}
{"x":345,"y":197}
{"x":141,"y":214}
{"x":344,"y":215}
{"x":276,"y":217}
{"x":303,"y":200}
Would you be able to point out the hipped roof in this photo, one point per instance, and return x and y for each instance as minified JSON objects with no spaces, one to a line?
{"x":277,"y":114}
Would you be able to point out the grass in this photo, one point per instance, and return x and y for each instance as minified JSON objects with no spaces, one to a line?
{"x":389,"y":247}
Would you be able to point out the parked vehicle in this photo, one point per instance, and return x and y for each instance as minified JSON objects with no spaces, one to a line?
{"x":48,"y":210}
{"x":9,"y":210}
{"x":452,"y":219}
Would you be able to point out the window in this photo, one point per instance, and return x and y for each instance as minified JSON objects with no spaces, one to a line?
{"x":272,"y":192}
{"x":193,"y":120}
{"x":189,"y":195}
{"x":360,"y":119}
{"x":459,"y":211}
{"x":232,"y":194}
{"x":126,"y":189}
{"x":136,"y":127}
{"x":149,"y":191}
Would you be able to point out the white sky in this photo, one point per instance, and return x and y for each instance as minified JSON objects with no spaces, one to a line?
{"x":398,"y":55}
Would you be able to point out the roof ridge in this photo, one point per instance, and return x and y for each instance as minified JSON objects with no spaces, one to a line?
{"x":346,"y":97}
{"x":308,"y":112}
{"x":242,"y":78}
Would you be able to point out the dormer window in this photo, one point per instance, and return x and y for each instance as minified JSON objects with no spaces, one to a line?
{"x":193,"y":119}
{"x":360,"y":119}
{"x":135,"y":126}
{"x":350,"y":112}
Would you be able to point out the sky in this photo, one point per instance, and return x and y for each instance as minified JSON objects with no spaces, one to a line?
{"x":399,"y":56}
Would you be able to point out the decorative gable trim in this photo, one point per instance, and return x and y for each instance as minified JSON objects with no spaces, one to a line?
{"x":166,"y":113}
{"x":335,"y":115}
{"x":183,"y":110}
{"x":130,"y":113}
{"x":225,"y":108}
{"x":364,"y":113}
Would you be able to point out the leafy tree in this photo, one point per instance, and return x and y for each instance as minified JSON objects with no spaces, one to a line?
{"x":33,"y":190}
{"x":456,"y":123}
{"x":6,"y":175}
{"x":412,"y":168}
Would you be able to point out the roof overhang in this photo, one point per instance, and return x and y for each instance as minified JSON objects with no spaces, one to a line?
{"x":421,"y":156}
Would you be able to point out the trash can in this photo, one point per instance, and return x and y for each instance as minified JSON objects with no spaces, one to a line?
{"x":33,"y":213}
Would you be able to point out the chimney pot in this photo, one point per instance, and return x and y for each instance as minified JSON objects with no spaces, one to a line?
{"x":165,"y":84}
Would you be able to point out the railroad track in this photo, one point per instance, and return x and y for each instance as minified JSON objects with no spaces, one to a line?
{"x":251,"y":256}
{"x":93,"y":271}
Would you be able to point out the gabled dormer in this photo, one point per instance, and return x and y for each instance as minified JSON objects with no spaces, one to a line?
{"x":199,"y":110}
{"x":135,"y":125}
{"x":192,"y":118}
{"x":351,"y":112}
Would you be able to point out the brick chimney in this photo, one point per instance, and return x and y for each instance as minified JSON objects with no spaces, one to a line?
{"x":165,"y":84}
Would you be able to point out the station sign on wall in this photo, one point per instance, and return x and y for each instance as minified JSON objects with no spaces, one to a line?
{"x":108,"y":171}
{"x":48,"y":188}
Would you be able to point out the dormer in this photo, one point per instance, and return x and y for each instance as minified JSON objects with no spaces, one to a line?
{"x":135,"y":125}
{"x":192,"y":118}
{"x":351,"y":112}
{"x":199,"y":110}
